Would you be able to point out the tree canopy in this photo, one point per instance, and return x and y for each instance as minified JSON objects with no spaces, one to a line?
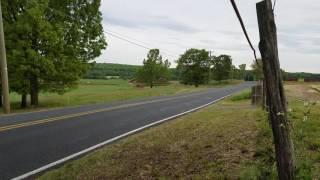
{"x":257,"y":69}
{"x":50,"y":43}
{"x":194,"y":65}
{"x":222,"y":67}
{"x":154,"y":70}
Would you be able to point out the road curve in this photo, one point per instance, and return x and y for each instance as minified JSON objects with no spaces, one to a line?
{"x":32,"y":140}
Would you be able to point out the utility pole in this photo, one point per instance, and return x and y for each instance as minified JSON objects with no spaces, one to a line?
{"x":276,"y":99}
{"x":209,"y":78}
{"x":4,"y":69}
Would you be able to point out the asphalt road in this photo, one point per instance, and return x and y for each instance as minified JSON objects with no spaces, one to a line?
{"x":31,"y":140}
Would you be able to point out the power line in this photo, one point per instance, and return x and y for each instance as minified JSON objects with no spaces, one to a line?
{"x":132,"y":42}
{"x":133,"y":39}
{"x":274,"y":4}
{"x":244,"y":29}
{"x":119,"y":36}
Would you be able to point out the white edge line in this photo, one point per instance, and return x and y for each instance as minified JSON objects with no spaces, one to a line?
{"x":53,"y":164}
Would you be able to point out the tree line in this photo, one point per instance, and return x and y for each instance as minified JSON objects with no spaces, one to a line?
{"x":104,"y":70}
{"x":50,"y":44}
{"x":194,"y":67}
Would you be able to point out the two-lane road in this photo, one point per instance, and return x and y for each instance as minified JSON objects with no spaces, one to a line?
{"x":34,"y":140}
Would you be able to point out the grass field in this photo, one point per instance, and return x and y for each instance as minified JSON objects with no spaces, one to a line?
{"x":99,"y":91}
{"x":304,"y":117}
{"x":229,"y":140}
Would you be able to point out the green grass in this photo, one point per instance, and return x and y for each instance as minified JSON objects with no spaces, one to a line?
{"x":245,"y":95}
{"x":229,"y":140}
{"x":305,"y":134}
{"x":99,"y":91}
{"x":213,"y":143}
{"x":306,"y":140}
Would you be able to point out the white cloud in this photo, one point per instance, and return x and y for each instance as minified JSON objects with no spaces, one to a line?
{"x":175,"y":25}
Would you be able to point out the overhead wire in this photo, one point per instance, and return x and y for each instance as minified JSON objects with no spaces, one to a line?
{"x":234,"y":5}
{"x":121,"y":37}
{"x":137,"y":40}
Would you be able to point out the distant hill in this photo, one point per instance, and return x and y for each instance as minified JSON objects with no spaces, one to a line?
{"x":307,"y":77}
{"x":109,"y":70}
{"x":122,"y":71}
{"x":302,"y":75}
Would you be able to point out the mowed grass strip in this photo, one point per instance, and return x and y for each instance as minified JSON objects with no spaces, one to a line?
{"x":102,"y":91}
{"x":213,"y":143}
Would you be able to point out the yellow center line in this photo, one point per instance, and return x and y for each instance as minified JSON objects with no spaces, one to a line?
{"x":64,"y":117}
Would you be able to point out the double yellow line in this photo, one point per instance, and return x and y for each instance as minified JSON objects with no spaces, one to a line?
{"x":43,"y":121}
{"x":69,"y":116}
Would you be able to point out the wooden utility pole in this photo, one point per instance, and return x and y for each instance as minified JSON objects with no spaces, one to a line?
{"x":4,"y":69}
{"x":210,"y":58}
{"x":275,"y":91}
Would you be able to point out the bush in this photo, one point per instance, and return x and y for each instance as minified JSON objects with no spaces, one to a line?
{"x":242,"y":96}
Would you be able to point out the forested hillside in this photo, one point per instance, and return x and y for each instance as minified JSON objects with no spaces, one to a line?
{"x":125,"y":71}
{"x":304,"y":75}
{"x":105,"y":70}
{"x":122,"y":71}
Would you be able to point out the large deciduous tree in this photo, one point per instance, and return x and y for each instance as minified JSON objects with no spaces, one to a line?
{"x":194,"y":65}
{"x":257,"y":69}
{"x":222,"y":66}
{"x":242,"y":71}
{"x":154,"y":70}
{"x":50,"y":43}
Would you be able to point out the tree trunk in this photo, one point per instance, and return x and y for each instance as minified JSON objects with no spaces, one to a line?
{"x":23,"y":104}
{"x":275,"y":92}
{"x":34,"y":92}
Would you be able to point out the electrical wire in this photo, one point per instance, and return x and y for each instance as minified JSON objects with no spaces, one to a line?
{"x":234,"y":5}
{"x":123,"y":38}
{"x":274,"y":4}
{"x":139,"y":41}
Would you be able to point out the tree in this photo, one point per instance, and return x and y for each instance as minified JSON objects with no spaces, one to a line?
{"x":194,"y":65}
{"x":242,"y":71}
{"x":154,"y":69}
{"x":234,"y":72}
{"x":222,"y":66}
{"x":50,"y":43}
{"x":284,"y":75}
{"x":257,"y":69}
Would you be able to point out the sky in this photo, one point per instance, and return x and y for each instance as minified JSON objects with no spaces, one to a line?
{"x":173,"y":26}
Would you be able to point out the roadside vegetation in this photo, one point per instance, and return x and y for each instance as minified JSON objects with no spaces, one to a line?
{"x":229,"y":140}
{"x":304,"y":117}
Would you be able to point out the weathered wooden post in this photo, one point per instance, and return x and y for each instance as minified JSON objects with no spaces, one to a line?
{"x":256,"y":95}
{"x":275,"y":92}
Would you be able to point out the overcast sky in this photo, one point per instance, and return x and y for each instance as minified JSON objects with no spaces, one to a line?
{"x":176,"y":25}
